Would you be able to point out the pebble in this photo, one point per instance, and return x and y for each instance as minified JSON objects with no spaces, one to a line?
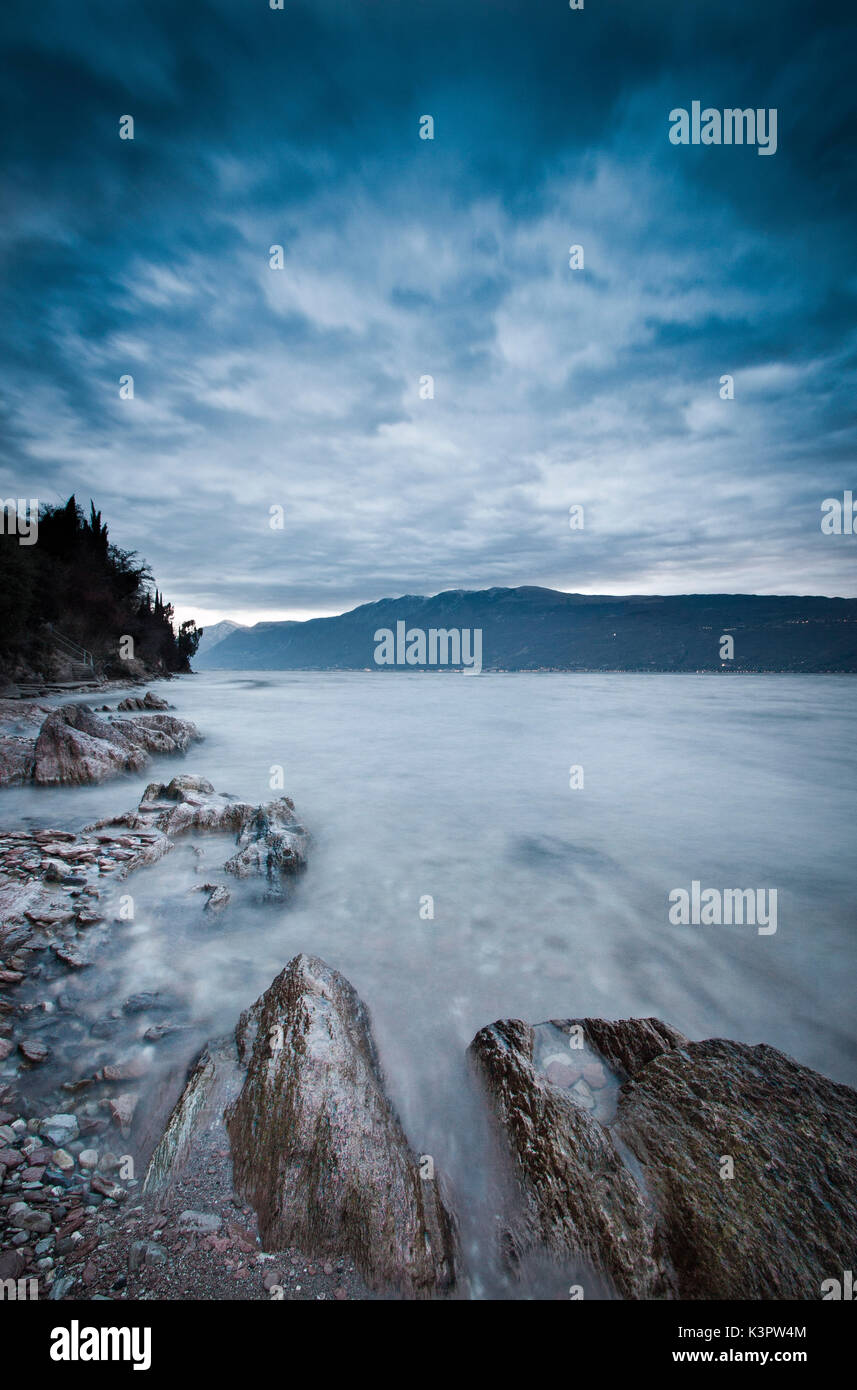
{"x":60,"y":1129}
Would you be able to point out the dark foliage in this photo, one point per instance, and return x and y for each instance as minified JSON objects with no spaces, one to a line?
{"x":72,"y":586}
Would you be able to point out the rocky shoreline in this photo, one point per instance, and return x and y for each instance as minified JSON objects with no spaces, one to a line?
{"x":631,"y":1162}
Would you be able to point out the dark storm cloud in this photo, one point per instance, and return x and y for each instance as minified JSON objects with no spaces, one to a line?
{"x":299,"y":388}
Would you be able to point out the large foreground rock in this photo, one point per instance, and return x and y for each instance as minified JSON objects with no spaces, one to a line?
{"x":317,"y":1147}
{"x":76,"y":745}
{"x":619,"y":1147}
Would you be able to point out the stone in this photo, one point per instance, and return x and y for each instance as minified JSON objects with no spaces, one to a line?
{"x":317,"y":1148}
{"x":576,"y":1198}
{"x":272,"y":845}
{"x":219,"y":899}
{"x":88,"y":1158}
{"x":122,"y":1109}
{"x":33,"y":1050}
{"x":148,"y":701}
{"x":202,"y":1221}
{"x":105,"y":1188}
{"x":146,"y":1252}
{"x":16,"y":760}
{"x":636,"y":1194}
{"x":788,"y":1218}
{"x":59,"y":1129}
{"x":24,"y":1218}
{"x":77,"y":746}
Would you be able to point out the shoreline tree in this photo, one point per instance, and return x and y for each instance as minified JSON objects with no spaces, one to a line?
{"x":75,"y":584}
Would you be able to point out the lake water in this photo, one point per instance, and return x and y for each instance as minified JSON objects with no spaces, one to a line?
{"x":548,"y":901}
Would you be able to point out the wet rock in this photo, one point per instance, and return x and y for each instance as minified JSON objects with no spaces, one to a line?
{"x":158,"y":734}
{"x":272,"y":844}
{"x":122,"y":1110}
{"x":219,"y":899}
{"x":24,"y":1218}
{"x":70,"y":957}
{"x":88,"y":1158}
{"x":161,"y":1030}
{"x":205,"y":1222}
{"x":75,"y":745}
{"x":146,"y":702}
{"x":105,"y":1188}
{"x":12,"y":1264}
{"x":577,"y":1199}
{"x":317,"y":1147}
{"x":106,"y":1027}
{"x":59,"y":1129}
{"x":187,"y":1117}
{"x":146,"y":1252}
{"x":16,"y":760}
{"x":788,"y":1217}
{"x":146,"y":1001}
{"x":643,"y":1194}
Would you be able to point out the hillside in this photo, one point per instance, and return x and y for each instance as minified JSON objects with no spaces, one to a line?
{"x":532,"y":628}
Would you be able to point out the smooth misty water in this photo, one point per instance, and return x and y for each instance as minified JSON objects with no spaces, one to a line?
{"x":548,"y":902}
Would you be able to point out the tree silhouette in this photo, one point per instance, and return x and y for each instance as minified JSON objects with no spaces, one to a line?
{"x":74,"y":582}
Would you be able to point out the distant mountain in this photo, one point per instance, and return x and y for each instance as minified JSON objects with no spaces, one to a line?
{"x":216,"y":633}
{"x":531,"y":628}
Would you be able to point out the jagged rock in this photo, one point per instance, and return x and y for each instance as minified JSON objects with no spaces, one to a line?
{"x":219,"y":899}
{"x":186,"y":1118}
{"x":122,"y":1109}
{"x":785,"y":1221}
{"x":16,"y":760}
{"x":577,"y":1198}
{"x":24,"y":1218}
{"x":190,"y":803}
{"x":145,"y":1252}
{"x":59,"y":1129}
{"x":160,"y":733}
{"x":75,"y":745}
{"x":204,"y":1222}
{"x":316,"y":1145}
{"x":146,"y":702}
{"x":271,"y":844}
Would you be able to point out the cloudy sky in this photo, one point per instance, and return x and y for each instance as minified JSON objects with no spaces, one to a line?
{"x":402,"y":257}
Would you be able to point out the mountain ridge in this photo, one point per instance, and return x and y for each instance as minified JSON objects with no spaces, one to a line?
{"x":531,"y":627}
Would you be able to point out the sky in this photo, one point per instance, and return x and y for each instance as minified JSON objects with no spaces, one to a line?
{"x":299,"y":388}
